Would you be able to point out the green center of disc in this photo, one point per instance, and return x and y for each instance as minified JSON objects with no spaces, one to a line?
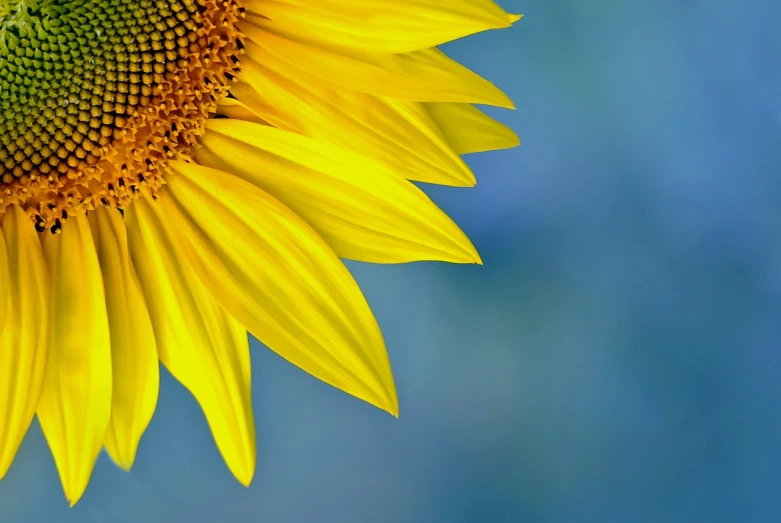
{"x":73,"y":72}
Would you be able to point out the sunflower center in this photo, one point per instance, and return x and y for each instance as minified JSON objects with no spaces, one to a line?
{"x":96,"y":96}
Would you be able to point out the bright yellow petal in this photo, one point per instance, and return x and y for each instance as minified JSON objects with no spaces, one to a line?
{"x":422,"y":76}
{"x":200,"y":344}
{"x":381,"y":26}
{"x":233,"y":108}
{"x":364,"y":212}
{"x":4,"y":283}
{"x":469,"y":130}
{"x":398,"y":133}
{"x":279,"y":279}
{"x":133,"y":352}
{"x":260,"y":107}
{"x":23,"y":342}
{"x":75,"y":402}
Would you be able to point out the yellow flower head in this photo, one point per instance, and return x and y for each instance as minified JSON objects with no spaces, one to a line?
{"x":175,"y":173}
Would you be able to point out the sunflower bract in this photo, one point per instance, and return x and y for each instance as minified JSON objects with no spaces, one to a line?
{"x":177,"y":173}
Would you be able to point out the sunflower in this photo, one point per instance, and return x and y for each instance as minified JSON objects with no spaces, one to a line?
{"x":177,"y":173}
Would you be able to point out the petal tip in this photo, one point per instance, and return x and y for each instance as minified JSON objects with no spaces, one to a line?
{"x":513,"y":141}
{"x":75,"y":482}
{"x":469,"y":254}
{"x":461,"y":252}
{"x":124,"y":465}
{"x":123,"y":460}
{"x":75,"y":488}
{"x":514,"y":18}
{"x":467,"y":178}
{"x":393,"y":408}
{"x":243,"y":469}
{"x":385,"y":398}
{"x":390,"y":402}
{"x":74,"y":497}
{"x":460,"y":182}
{"x":503,"y":101}
{"x":246,"y":480}
{"x":72,"y":500}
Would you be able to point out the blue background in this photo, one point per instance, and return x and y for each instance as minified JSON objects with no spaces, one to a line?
{"x":615,"y":360}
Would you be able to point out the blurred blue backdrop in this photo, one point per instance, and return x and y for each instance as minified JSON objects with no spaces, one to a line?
{"x":616,"y":359}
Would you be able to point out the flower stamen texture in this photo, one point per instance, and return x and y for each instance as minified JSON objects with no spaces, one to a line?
{"x":97,"y":95}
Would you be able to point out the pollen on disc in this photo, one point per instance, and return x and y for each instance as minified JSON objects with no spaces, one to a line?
{"x":96,"y":95}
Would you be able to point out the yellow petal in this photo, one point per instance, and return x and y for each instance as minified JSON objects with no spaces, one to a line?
{"x":398,"y":133}
{"x":200,"y":344}
{"x":233,"y":108}
{"x":469,"y":130}
{"x":280,"y":280}
{"x":24,"y":339}
{"x":4,"y":283}
{"x":133,"y":352}
{"x":422,"y":76}
{"x":381,"y":26}
{"x":364,"y":212}
{"x":75,"y":402}
{"x":260,"y":107}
